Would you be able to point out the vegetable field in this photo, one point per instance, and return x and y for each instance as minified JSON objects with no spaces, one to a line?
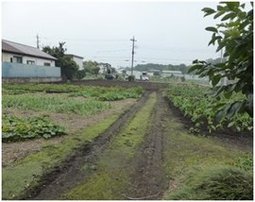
{"x":198,"y":103}
{"x":122,"y":140}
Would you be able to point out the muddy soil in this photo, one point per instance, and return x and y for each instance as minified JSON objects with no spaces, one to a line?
{"x":62,"y":178}
{"x":148,"y":179}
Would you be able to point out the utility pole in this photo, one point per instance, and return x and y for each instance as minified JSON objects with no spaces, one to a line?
{"x":37,"y":41}
{"x":133,"y":52}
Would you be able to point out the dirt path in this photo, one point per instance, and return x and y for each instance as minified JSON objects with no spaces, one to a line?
{"x":148,"y":178}
{"x":62,"y":178}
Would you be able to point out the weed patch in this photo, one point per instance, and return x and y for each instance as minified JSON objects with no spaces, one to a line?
{"x":218,"y":183}
{"x":57,"y":104}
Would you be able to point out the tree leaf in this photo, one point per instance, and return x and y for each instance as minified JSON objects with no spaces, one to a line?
{"x":208,"y":11}
{"x":216,"y":79}
{"x":231,"y":16}
{"x":211,"y":29}
{"x":218,"y":14}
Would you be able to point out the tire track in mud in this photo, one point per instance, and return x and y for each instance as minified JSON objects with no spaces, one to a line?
{"x":69,"y":173}
{"x":148,"y":179}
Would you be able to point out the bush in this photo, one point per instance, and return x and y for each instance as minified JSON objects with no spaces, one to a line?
{"x":80,"y":74}
{"x":131,"y":78}
{"x":225,"y":183}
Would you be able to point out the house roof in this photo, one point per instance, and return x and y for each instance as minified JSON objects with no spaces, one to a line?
{"x":13,"y":47}
{"x":76,"y":56}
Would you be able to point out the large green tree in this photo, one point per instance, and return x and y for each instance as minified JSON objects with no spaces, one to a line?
{"x":69,"y":68}
{"x":233,"y":35}
{"x":91,"y":67}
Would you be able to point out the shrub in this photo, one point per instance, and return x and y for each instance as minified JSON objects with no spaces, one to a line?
{"x":224,"y":183}
{"x":131,"y":78}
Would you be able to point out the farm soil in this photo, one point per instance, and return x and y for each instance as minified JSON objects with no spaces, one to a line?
{"x":73,"y":123}
{"x":62,"y":178}
{"x":148,"y":180}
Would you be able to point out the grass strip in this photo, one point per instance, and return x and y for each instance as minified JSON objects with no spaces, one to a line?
{"x":27,"y":172}
{"x":112,"y":170}
{"x":203,"y":168}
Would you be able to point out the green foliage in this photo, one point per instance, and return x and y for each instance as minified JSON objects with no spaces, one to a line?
{"x":80,"y":74}
{"x":91,"y":67}
{"x":218,"y":183}
{"x":100,"y":93}
{"x":234,"y":36}
{"x":197,"y":103}
{"x":131,"y":78}
{"x":14,"y":89}
{"x":68,"y":66}
{"x":17,"y":129}
{"x":245,"y":162}
{"x":59,"y":104}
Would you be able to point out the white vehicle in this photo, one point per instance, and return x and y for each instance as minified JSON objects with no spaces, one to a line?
{"x":144,"y":77}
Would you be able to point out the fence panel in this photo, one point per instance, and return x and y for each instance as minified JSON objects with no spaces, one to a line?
{"x":16,"y":70}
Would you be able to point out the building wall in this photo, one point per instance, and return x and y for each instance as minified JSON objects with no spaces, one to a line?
{"x":79,"y":62}
{"x":17,"y":70}
{"x":6,"y":57}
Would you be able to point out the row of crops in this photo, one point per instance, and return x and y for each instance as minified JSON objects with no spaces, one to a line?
{"x":198,"y":103}
{"x":53,"y":98}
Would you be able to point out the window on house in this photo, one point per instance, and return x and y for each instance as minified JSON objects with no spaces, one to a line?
{"x":46,"y":64}
{"x":30,"y":62}
{"x":10,"y":59}
{"x":17,"y":59}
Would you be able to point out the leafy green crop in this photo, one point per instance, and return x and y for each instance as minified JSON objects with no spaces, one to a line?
{"x":197,"y":103}
{"x":101,"y":93}
{"x":17,"y":129}
{"x":59,"y":104}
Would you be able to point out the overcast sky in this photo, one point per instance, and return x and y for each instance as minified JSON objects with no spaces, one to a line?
{"x":166,"y":32}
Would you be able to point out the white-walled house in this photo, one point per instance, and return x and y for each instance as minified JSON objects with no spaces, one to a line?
{"x":19,"y":53}
{"x":77,"y":59}
{"x":22,"y":63}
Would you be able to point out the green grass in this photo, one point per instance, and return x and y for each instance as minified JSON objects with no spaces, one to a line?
{"x":218,"y":183}
{"x":195,"y":164}
{"x":27,"y":172}
{"x":111,"y":177}
{"x":59,"y":104}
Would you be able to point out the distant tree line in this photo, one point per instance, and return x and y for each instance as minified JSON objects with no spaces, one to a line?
{"x":150,"y":66}
{"x":181,"y":67}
